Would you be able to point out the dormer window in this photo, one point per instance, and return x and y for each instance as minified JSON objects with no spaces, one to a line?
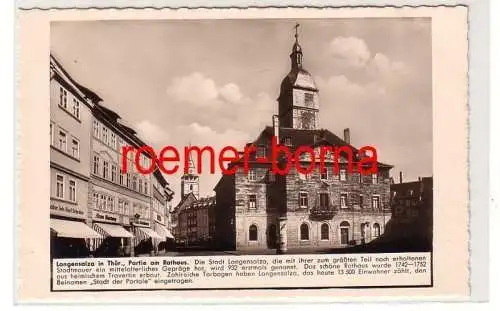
{"x":261,"y":151}
{"x":287,"y":141}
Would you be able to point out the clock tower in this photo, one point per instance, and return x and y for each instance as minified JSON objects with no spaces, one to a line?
{"x":298,"y":100}
{"x":190,"y":181}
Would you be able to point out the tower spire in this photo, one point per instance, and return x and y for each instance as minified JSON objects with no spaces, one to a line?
{"x":296,"y":56}
{"x":191,"y":168}
{"x":297,"y":33}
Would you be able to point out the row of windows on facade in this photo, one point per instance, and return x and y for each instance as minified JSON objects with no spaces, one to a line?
{"x":107,"y":203}
{"x":111,"y":173}
{"x":324,"y":201}
{"x":192,"y":219}
{"x":115,"y":142}
{"x":63,"y":184}
{"x":367,"y":231}
{"x":327,"y":174}
{"x":64,"y":99}
{"x":159,"y":207}
{"x":59,"y":139}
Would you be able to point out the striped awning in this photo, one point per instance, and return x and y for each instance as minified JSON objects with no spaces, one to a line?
{"x":116,"y":231}
{"x":164,"y":232}
{"x":72,"y":229}
{"x":148,"y":233}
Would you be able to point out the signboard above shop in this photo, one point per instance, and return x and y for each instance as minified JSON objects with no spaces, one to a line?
{"x":62,"y":208}
{"x":106,"y":217}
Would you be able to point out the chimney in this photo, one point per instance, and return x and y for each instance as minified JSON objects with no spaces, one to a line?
{"x":276,"y":128}
{"x":347,"y":136}
{"x":400,"y":177}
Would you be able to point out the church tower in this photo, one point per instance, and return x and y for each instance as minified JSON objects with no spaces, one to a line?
{"x":298,"y":100}
{"x":190,"y":181}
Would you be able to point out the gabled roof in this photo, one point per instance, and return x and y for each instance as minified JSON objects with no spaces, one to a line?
{"x":64,"y":78}
{"x":185,"y":202}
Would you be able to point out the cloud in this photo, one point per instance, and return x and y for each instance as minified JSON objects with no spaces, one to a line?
{"x":382,"y":66}
{"x":354,"y":52}
{"x":194,"y":88}
{"x":339,"y":84}
{"x":350,"y":50}
{"x":151,"y":132}
{"x":205,"y":135}
{"x":231,"y":92}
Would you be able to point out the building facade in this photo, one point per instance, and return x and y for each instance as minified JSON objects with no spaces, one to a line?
{"x":70,"y":124}
{"x":124,"y":213}
{"x":194,"y":217}
{"x":258,"y":209}
{"x":412,"y":210}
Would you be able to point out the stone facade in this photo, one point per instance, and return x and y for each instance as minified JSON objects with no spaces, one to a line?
{"x":257,"y":209}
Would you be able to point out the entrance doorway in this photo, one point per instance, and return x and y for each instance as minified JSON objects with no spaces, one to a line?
{"x":272,"y":236}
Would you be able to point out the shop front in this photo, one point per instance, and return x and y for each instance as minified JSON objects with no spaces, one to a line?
{"x":144,"y":241}
{"x":166,"y":240}
{"x":117,"y":240}
{"x":69,"y":234}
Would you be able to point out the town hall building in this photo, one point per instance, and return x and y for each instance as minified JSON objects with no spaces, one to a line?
{"x":258,"y":209}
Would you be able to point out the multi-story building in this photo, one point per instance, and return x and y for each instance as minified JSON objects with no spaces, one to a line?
{"x":257,"y":209}
{"x":161,"y":198}
{"x":410,"y":227}
{"x":126,"y":207}
{"x":70,"y":125}
{"x":194,"y":217}
{"x":120,"y":203}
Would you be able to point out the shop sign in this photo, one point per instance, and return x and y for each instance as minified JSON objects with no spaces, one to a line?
{"x":141,"y":222}
{"x":66,"y":209}
{"x":105,"y":217}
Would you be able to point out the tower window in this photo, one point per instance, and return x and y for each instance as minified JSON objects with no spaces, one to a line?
{"x":252,"y":201}
{"x":308,"y":98}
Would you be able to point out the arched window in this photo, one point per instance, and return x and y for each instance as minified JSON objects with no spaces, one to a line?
{"x":344,"y":232}
{"x":304,"y":232}
{"x":325,"y":232}
{"x":252,"y":233}
{"x":376,"y":230}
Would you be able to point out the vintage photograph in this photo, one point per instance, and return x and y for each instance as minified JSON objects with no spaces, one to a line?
{"x":348,"y":101}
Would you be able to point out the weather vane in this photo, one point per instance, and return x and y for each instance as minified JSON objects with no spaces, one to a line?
{"x":297,"y":31}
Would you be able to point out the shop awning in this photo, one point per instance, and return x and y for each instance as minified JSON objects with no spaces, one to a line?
{"x":72,"y":229}
{"x":115,"y":231}
{"x":149,"y":233}
{"x":164,"y":232}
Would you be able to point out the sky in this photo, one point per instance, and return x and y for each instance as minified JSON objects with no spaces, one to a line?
{"x":215,"y":82}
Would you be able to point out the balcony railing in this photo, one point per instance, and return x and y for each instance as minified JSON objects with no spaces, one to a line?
{"x":322,"y":213}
